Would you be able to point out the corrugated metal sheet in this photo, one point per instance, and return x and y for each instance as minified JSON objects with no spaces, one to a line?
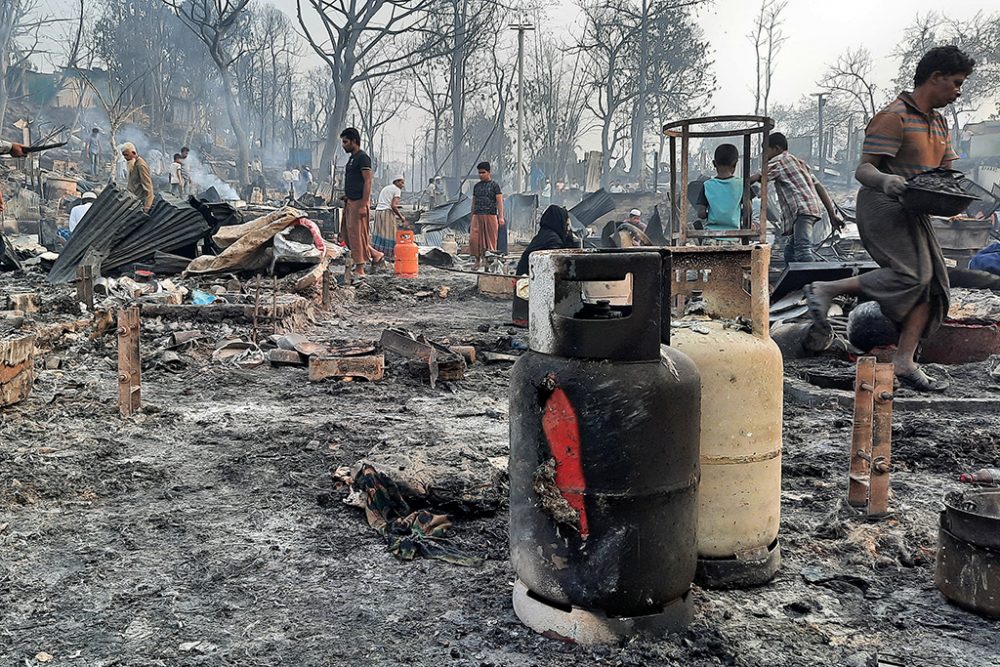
{"x":117,"y":232}
{"x":8,"y":257}
{"x":171,"y":224}
{"x":112,"y":216}
{"x":590,"y":209}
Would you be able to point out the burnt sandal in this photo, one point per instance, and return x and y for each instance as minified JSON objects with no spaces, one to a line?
{"x":917,"y":380}
{"x":817,"y":311}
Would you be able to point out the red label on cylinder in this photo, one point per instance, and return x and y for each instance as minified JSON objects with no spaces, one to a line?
{"x":562,"y":430}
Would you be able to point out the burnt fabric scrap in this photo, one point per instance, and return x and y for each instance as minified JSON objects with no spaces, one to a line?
{"x":408,"y":533}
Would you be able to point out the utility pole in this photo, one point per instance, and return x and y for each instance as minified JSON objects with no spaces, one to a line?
{"x":520,"y":27}
{"x":821,"y":99}
{"x":849,"y":173}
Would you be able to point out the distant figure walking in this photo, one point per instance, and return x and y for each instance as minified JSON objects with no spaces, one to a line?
{"x":487,"y":215}
{"x":94,"y":151}
{"x":177,"y":184}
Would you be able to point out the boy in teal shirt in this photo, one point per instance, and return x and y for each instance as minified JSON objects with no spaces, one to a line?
{"x":719,"y":203}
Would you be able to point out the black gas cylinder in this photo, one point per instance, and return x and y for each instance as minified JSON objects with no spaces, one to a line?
{"x":604,"y":434}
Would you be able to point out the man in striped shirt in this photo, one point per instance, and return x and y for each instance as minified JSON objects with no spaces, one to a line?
{"x":911,"y":286}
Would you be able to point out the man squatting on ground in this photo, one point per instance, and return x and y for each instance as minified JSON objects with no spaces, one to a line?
{"x":911,"y":287}
{"x":357,"y":201}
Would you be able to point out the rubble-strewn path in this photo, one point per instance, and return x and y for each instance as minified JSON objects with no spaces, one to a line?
{"x":206,"y":531}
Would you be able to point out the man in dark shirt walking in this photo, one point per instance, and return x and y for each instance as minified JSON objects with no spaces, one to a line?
{"x":487,"y":215}
{"x":357,"y":202}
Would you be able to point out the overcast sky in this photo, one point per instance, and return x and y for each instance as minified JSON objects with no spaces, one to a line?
{"x":817,"y":33}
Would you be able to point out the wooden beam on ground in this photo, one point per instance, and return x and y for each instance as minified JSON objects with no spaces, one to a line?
{"x":371,"y":368}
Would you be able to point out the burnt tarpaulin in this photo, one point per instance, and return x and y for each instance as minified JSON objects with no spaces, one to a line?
{"x":217,"y":214}
{"x":8,"y":258}
{"x":519,"y":214}
{"x":455,"y":215}
{"x":654,"y":228}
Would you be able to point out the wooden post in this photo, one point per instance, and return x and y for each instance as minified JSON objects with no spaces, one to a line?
{"x":878,"y":495}
{"x":868,"y":480}
{"x":327,"y":287}
{"x":129,"y":362}
{"x":274,"y":305}
{"x":17,"y":369}
{"x":763,"y":182}
{"x":684,"y":186}
{"x":256,"y":310}
{"x":85,"y":284}
{"x":673,"y":190}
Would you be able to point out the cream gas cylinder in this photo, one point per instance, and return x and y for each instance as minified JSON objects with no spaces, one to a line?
{"x":741,"y":415}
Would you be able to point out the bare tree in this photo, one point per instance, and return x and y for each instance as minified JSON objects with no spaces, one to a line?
{"x":555,"y":102}
{"x":767,"y":39}
{"x":616,"y":44}
{"x":432,"y":95}
{"x":486,"y":115}
{"x":674,"y":72}
{"x":851,"y":76}
{"x":474,"y":26}
{"x":369,"y":39}
{"x":680,"y":80}
{"x":213,"y":22}
{"x":126,"y":58}
{"x":265,"y":75}
{"x":16,"y":24}
{"x":377,"y":105}
{"x":604,"y":48}
{"x":319,"y":102}
{"x":119,"y":102}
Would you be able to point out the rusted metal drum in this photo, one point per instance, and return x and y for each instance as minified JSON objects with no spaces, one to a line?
{"x":958,"y":343}
{"x":741,"y":414}
{"x":967,"y":568}
{"x":604,"y":454}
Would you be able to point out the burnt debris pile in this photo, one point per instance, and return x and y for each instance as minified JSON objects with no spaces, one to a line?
{"x":116,"y":232}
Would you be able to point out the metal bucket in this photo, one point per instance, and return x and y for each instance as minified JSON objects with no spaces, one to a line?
{"x":967,"y":571}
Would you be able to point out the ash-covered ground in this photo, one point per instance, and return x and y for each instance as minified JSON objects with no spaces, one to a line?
{"x":207,"y":529}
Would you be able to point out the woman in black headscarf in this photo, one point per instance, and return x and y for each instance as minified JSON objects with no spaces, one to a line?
{"x":554,"y":234}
